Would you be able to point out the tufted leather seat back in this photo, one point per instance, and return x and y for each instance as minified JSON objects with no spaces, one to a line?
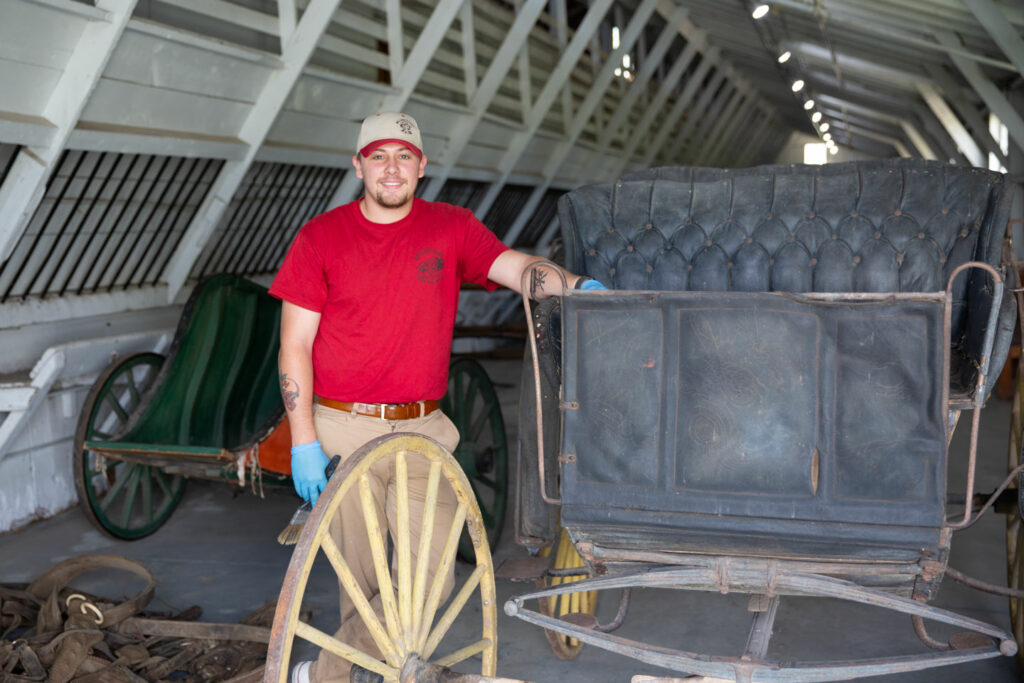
{"x":878,"y":226}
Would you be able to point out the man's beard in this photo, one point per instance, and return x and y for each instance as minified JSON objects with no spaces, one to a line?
{"x":392,"y":200}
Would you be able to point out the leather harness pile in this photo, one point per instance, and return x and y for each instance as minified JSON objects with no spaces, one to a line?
{"x":52,"y":632}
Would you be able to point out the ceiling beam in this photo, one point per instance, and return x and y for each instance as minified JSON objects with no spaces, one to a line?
{"x":968,"y":112}
{"x":597,"y":91}
{"x":869,"y":24}
{"x":253,"y":132}
{"x":644,"y":126}
{"x":694,"y":116}
{"x":406,"y":81}
{"x":25,"y":183}
{"x":988,"y":91}
{"x":956,"y":130}
{"x":924,"y":150}
{"x":905,"y":80}
{"x":559,"y":76}
{"x":462,"y":130}
{"x":997,"y":23}
{"x":718,"y":123}
{"x":639,"y":85}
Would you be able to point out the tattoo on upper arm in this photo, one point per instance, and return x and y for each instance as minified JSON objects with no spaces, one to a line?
{"x":289,"y":391}
{"x":537,"y":280}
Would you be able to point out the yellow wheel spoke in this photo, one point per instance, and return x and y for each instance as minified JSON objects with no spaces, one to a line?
{"x":419,"y":589}
{"x":447,"y":557}
{"x":453,"y":610}
{"x":362,"y":605}
{"x":463,"y":653}
{"x":402,"y":548}
{"x":380,"y":561}
{"x":343,"y":650}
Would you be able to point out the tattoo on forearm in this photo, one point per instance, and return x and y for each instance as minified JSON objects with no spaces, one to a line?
{"x":537,"y":280}
{"x":289,"y":391}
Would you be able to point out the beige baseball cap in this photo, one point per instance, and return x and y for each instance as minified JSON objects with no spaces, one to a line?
{"x":389,"y":126}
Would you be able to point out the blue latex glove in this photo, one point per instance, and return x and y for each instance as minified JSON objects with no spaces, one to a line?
{"x":593,"y":284}
{"x":308,"y":464}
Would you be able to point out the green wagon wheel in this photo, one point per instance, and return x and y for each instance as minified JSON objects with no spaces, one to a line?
{"x":472,"y":405}
{"x":1014,"y":525}
{"x":122,"y":499}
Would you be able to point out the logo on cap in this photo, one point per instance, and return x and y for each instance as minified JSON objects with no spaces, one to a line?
{"x":389,"y":127}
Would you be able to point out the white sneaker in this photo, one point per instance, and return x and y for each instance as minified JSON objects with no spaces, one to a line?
{"x":300,"y":673}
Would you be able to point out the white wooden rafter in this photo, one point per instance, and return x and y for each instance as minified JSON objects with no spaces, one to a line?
{"x":952,"y":125}
{"x":525,"y":78}
{"x":296,"y":53}
{"x":561,"y":16}
{"x":694,"y":145}
{"x":841,"y":15}
{"x":468,"y":48}
{"x":393,"y":16}
{"x":738,"y":141}
{"x":287,"y":18}
{"x":461,"y":130}
{"x":997,"y":24}
{"x":638,"y":86}
{"x":559,"y":76}
{"x":642,"y":129}
{"x":938,"y":136}
{"x":694,"y":117}
{"x":408,"y":78}
{"x":968,"y":113}
{"x":25,"y":184}
{"x":990,"y":94}
{"x":598,"y":88}
{"x":769,"y":132}
{"x":919,"y":142}
{"x":717,"y":154}
{"x":751,"y":144}
{"x":719,"y":122}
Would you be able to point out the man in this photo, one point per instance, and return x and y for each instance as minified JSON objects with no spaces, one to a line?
{"x":369,"y":292}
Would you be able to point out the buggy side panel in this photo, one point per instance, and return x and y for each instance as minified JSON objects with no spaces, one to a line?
{"x":755,"y":424}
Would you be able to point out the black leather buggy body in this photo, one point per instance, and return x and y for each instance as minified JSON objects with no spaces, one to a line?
{"x":762,"y":401}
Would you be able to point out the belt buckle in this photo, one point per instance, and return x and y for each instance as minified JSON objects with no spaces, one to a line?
{"x":383,"y":411}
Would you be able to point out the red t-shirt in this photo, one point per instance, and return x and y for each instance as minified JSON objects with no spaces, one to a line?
{"x":387,"y":294}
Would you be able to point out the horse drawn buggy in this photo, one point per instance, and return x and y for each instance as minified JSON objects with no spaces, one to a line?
{"x":211,"y":408}
{"x":761,"y":404}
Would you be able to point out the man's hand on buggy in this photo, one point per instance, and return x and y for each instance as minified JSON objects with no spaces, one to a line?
{"x":308,"y":465}
{"x":589,"y":283}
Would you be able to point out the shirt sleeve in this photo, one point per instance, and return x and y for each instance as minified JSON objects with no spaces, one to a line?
{"x":480,"y":247}
{"x":301,"y":279}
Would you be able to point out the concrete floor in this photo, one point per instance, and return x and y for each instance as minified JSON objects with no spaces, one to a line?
{"x":219,"y":551}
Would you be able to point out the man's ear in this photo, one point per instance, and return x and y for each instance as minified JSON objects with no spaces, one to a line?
{"x":423,"y":165}
{"x":358,"y":166}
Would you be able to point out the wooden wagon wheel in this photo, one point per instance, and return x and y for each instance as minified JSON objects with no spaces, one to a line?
{"x":410,"y":607}
{"x":566,"y":557}
{"x":124,"y":500}
{"x":1014,"y":525}
{"x":472,"y":404}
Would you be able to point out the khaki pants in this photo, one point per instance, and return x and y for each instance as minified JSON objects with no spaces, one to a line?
{"x":343,"y":433}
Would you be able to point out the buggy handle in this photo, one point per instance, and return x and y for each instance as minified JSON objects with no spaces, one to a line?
{"x":983,"y":369}
{"x":525,"y":290}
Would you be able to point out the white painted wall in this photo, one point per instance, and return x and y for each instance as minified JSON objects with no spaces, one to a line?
{"x":36,"y":434}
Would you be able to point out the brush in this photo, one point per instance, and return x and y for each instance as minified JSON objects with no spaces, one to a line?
{"x":290,"y":535}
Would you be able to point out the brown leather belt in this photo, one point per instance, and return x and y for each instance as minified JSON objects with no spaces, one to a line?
{"x":384,"y":411}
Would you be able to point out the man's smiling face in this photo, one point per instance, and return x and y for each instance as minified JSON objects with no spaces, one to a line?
{"x":390,"y":173}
